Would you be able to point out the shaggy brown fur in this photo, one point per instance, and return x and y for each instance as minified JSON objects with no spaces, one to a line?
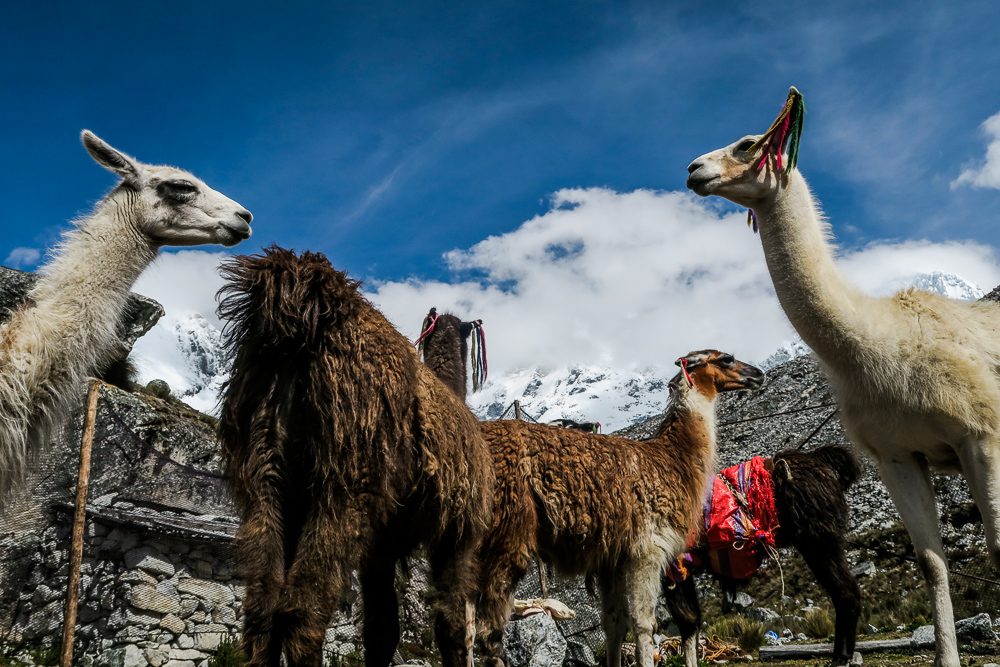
{"x":344,"y":452}
{"x":809,"y":494}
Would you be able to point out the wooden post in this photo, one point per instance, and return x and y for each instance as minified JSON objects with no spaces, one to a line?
{"x":517,"y":409}
{"x":542,"y":578}
{"x":79,"y":521}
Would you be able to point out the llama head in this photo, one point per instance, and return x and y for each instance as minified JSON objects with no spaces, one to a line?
{"x":171,"y":206}
{"x":754,"y":168}
{"x":732,"y":173}
{"x":711,"y":372}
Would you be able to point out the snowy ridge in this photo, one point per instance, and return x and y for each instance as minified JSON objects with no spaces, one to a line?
{"x":186,"y":351}
{"x":583,"y":393}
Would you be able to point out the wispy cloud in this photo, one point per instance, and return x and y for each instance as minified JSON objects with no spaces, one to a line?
{"x":23,"y":258}
{"x":985,"y":173}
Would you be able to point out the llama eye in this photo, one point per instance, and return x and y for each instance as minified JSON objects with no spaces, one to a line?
{"x":727,"y":360}
{"x":745,"y":145}
{"x":183,"y":189}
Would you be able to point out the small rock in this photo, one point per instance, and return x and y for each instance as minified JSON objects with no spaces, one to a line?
{"x":857,"y":660}
{"x":923,"y":637}
{"x":742,"y":601}
{"x":865,"y":569}
{"x":534,"y":641}
{"x":977,"y":628}
{"x":762,"y":614}
{"x":787,"y":633}
{"x":801,"y":637}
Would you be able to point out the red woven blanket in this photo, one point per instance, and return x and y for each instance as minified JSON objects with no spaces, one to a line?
{"x":732,"y":541}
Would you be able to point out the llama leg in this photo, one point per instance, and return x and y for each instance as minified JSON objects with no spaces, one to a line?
{"x":828,"y":563}
{"x":381,"y":621}
{"x":313,"y":584}
{"x":454,"y":569}
{"x":909,"y":483}
{"x":682,"y":601}
{"x":614,"y":615}
{"x":499,"y":580}
{"x":260,"y":552}
{"x":981,"y":467}
{"x":643,"y":582}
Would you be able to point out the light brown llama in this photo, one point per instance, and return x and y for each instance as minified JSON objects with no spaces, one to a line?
{"x":344,"y":453}
{"x":596,"y":505}
{"x":602,"y":506}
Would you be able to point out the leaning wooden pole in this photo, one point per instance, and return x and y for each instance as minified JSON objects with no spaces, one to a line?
{"x":79,"y":521}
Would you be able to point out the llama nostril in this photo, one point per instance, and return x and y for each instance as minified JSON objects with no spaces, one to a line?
{"x":246,"y":215}
{"x":693,"y":167}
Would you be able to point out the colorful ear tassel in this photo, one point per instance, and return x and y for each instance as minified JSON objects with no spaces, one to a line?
{"x":785,"y":133}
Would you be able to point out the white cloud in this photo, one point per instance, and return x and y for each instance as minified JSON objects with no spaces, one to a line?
{"x":882,"y":268}
{"x":628,"y":280}
{"x":23,"y":258}
{"x":987,"y":173}
{"x":184,"y":282}
{"x":619,"y":280}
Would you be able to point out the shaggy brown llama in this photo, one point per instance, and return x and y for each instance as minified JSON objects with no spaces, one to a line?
{"x":602,"y":506}
{"x":344,"y":453}
{"x":809,"y":496}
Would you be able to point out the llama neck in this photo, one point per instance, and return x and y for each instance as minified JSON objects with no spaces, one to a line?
{"x":690,"y":422}
{"x":445,"y":354}
{"x":84,"y":288}
{"x":825,"y":309}
{"x":688,"y":434}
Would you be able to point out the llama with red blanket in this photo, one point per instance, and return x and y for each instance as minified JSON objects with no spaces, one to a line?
{"x":797,"y":498}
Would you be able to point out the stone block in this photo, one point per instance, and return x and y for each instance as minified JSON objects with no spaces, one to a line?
{"x":156,"y":656}
{"x":146,"y":597}
{"x":923,"y":637}
{"x":125,"y":656}
{"x":149,"y":559}
{"x":186,"y":654}
{"x":206,"y":590}
{"x":208,"y":637}
{"x":172,"y":623}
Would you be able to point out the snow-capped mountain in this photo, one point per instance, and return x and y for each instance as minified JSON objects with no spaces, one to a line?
{"x":186,"y":352}
{"x":937,"y":282}
{"x":583,"y":393}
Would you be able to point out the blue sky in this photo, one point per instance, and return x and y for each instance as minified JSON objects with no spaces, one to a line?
{"x":387,"y":134}
{"x":519,"y":162}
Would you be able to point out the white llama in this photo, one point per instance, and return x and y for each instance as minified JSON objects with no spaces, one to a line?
{"x":66,"y":328}
{"x":916,"y":376}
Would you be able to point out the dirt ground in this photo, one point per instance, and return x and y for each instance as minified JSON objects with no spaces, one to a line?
{"x":970,"y":658}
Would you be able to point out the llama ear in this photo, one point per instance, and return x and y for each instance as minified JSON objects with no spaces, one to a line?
{"x":110,"y":158}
